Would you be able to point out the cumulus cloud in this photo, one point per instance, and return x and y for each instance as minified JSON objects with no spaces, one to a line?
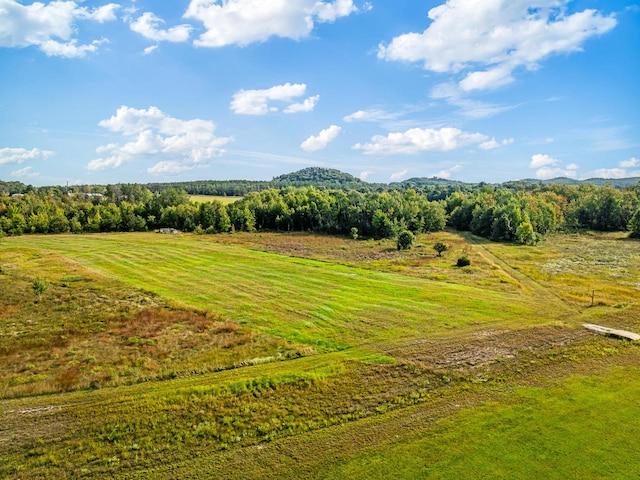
{"x":487,"y":41}
{"x":539,"y":160}
{"x":21,"y":155}
{"x":25,"y":172}
{"x":242,"y":22}
{"x":51,"y":27}
{"x":306,"y":106}
{"x":632,"y":162}
{"x":417,"y":140}
{"x":148,"y":25}
{"x":549,"y":167}
{"x":178,"y":144}
{"x":326,"y":136}
{"x":608,"y":173}
{"x":447,"y":173}
{"x":622,"y":171}
{"x":493,"y":144}
{"x":365,"y":174}
{"x":398,"y":176}
{"x":256,"y":102}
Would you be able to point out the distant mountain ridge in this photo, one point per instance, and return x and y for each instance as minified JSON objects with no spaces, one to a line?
{"x":332,"y":178}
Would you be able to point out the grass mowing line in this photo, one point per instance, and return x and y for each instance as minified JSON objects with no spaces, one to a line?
{"x":522,"y":278}
{"x":282,"y":303}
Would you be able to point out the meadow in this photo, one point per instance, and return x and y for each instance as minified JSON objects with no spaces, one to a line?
{"x":265,"y":355}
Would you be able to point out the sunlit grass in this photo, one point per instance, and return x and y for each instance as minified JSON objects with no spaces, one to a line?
{"x":221,"y":352}
{"x":210,"y":198}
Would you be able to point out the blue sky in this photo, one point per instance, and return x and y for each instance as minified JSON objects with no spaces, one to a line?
{"x":148,"y":91}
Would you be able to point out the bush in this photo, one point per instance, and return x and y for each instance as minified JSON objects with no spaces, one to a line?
{"x":354,"y":233}
{"x":525,"y":234}
{"x":440,"y":248}
{"x":405,"y":240}
{"x":39,"y":286}
{"x":463,"y":261}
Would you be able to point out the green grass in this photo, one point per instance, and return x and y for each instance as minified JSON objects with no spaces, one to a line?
{"x":288,"y":356}
{"x":586,"y":427}
{"x":326,"y":306}
{"x":210,"y":198}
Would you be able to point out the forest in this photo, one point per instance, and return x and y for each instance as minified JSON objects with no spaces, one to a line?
{"x":515,"y":212}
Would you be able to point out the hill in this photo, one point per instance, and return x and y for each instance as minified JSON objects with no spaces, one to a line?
{"x":317,"y":175}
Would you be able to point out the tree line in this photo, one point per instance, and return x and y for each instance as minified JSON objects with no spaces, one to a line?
{"x":520,"y":215}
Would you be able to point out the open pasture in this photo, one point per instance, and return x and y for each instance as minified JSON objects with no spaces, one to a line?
{"x":210,"y":198}
{"x":272,"y":355}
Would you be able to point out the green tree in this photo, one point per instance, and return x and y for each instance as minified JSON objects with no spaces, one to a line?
{"x":440,"y":248}
{"x":634,"y":225}
{"x":525,"y":234}
{"x":405,"y":240}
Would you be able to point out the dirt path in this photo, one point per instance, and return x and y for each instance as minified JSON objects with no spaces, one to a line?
{"x":528,"y":284}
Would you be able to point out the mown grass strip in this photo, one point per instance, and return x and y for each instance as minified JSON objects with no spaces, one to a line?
{"x":324,"y":305}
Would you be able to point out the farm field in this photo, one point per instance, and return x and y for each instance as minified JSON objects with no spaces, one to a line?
{"x":277,"y":356}
{"x":210,"y":198}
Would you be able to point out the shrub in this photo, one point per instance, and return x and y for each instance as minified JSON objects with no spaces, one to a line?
{"x":405,"y":240}
{"x":440,"y":248}
{"x":39,"y":286}
{"x":525,"y":234}
{"x":354,"y":233}
{"x":463,"y":261}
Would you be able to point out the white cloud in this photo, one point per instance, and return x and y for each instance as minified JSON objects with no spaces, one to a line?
{"x":148,"y":25}
{"x":365,"y":174}
{"x":448,"y":172}
{"x":105,"y":13}
{"x":242,"y":22}
{"x":373,"y":115}
{"x":417,"y":140}
{"x":486,"y":41}
{"x":21,"y":155}
{"x":256,"y":102}
{"x":25,"y":172}
{"x":549,"y":167}
{"x":177,"y":144}
{"x":608,"y":173}
{"x":398,"y":176}
{"x":545,"y":173}
{"x":150,"y":49}
{"x":307,"y":106}
{"x":632,"y":162}
{"x":326,"y":136}
{"x":51,"y":27}
{"x":540,"y":160}
{"x":621,"y":172}
{"x":493,"y":144}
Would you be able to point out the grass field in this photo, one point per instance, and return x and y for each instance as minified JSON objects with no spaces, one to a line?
{"x":278,"y":356}
{"x":210,"y":198}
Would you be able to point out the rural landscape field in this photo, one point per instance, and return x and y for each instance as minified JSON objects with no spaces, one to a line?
{"x":319,"y":239}
{"x":283,"y":355}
